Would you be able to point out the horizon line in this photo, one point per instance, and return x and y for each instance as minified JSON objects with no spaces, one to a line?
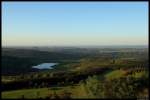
{"x":73,"y":45}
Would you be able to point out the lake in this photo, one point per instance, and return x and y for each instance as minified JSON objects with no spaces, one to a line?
{"x":45,"y":66}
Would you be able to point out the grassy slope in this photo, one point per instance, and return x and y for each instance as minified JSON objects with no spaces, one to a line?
{"x":32,"y":93}
{"x":114,"y":74}
{"x":77,"y":92}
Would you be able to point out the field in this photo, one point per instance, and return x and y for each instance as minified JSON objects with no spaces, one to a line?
{"x":76,"y":92}
{"x":115,"y":74}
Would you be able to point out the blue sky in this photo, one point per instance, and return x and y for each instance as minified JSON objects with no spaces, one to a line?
{"x":74,"y":23}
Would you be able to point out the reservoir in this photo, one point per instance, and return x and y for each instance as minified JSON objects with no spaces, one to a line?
{"x":45,"y":66}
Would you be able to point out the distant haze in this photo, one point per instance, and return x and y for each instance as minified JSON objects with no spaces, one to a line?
{"x":74,"y":23}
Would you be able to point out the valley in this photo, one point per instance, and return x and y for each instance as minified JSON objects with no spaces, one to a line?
{"x":75,"y":69}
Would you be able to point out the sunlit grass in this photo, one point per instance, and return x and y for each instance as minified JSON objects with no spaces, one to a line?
{"x":114,"y":74}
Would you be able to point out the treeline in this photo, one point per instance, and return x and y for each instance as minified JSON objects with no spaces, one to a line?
{"x":53,"y":80}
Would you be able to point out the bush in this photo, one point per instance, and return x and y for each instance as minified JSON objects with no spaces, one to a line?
{"x":128,"y":87}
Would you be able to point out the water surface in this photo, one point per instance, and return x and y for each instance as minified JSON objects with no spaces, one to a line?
{"x":45,"y":66}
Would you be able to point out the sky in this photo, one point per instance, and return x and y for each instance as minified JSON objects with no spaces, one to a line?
{"x":74,"y":23}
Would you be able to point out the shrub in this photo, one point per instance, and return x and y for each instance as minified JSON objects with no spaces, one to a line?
{"x":128,"y":87}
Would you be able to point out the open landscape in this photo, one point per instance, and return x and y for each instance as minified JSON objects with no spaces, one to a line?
{"x":80,"y":73}
{"x":84,"y":59}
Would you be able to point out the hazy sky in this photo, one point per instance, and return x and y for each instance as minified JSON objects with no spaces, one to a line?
{"x":74,"y":23}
